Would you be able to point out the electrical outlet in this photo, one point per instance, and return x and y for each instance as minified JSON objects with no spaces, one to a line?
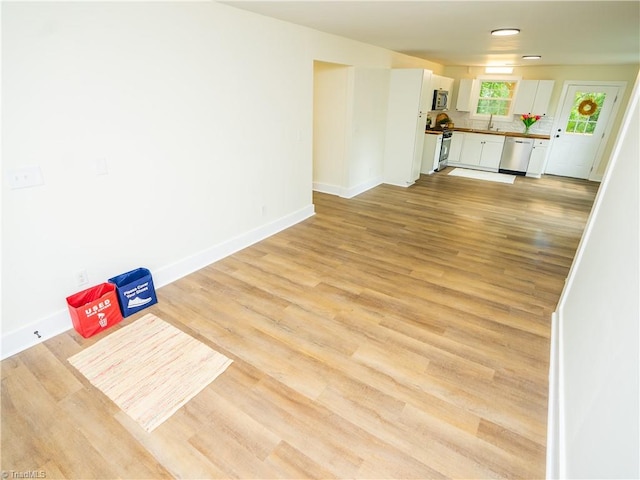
{"x":82,"y":277}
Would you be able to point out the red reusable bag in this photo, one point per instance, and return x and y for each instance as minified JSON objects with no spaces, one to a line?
{"x":94,"y":309}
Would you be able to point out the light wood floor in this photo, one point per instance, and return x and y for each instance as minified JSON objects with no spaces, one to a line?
{"x":400,"y":334}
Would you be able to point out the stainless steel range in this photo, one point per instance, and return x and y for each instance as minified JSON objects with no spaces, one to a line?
{"x":444,"y":150}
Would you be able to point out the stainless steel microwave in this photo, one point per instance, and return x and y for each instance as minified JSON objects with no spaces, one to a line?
{"x":440,"y":100}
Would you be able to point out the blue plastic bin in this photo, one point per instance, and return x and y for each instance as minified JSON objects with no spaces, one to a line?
{"x":135,"y":291}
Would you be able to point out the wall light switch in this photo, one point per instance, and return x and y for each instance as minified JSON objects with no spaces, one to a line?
{"x":24,"y":177}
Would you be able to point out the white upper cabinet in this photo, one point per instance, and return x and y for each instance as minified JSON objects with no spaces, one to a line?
{"x":447,"y":84}
{"x":463,"y":103}
{"x":426,"y":93}
{"x":543,"y":97}
{"x":533,"y":97}
{"x":525,"y":96}
{"x":439,"y":82}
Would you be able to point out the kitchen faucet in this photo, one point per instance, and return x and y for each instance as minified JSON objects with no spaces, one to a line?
{"x":490,"y":126}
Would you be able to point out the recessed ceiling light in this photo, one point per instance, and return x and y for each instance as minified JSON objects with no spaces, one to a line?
{"x":502,"y":32}
{"x":531,"y":57}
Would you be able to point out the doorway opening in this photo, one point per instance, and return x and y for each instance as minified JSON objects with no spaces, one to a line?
{"x":330,"y":126}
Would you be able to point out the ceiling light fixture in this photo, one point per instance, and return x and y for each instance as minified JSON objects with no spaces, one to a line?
{"x":531,"y":57}
{"x":503,"y":32}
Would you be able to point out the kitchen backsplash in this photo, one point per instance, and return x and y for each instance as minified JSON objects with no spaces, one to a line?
{"x":462,"y":119}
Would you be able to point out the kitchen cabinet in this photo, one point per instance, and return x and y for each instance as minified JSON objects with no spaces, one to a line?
{"x":463,"y":102}
{"x":406,"y":120}
{"x":426,"y":91}
{"x":543,"y":97}
{"x":431,"y":152}
{"x":439,"y":82}
{"x":482,"y":151}
{"x":457,"y":140}
{"x":533,"y":96}
{"x":538,"y":158}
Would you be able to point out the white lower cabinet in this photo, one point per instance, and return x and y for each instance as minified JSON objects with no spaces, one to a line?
{"x":482,"y":151}
{"x":431,"y":152}
{"x":537,"y":158}
{"x":455,"y":149}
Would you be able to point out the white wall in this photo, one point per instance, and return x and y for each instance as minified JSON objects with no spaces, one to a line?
{"x":596,"y":432}
{"x":349,"y":127}
{"x":368,"y":127}
{"x":203,"y":113}
{"x":331,"y":97}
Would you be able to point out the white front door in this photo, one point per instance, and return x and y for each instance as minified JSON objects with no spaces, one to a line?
{"x":580,"y":130}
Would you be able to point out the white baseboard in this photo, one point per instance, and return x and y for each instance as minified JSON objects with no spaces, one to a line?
{"x":553,"y":424}
{"x":60,"y":321}
{"x":347,"y":192}
{"x":363,"y":187}
{"x":25,"y":337}
{"x":170,"y":273}
{"x":327,"y":188}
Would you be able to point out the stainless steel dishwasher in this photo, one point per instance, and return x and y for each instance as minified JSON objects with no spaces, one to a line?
{"x":515,"y":155}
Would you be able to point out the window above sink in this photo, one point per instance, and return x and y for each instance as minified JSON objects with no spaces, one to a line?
{"x":493,"y":96}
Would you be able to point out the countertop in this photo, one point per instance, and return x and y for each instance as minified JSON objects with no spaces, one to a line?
{"x":492,"y":132}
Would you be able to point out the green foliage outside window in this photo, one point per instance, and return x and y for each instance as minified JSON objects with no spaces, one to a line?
{"x":495,"y":97}
{"x":584,"y":124}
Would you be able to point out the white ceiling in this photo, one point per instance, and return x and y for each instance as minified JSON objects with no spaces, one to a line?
{"x":453,"y":32}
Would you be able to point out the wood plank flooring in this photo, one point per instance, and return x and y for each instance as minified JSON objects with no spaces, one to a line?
{"x":403,"y":333}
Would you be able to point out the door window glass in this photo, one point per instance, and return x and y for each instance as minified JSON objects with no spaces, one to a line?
{"x":585,"y":112}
